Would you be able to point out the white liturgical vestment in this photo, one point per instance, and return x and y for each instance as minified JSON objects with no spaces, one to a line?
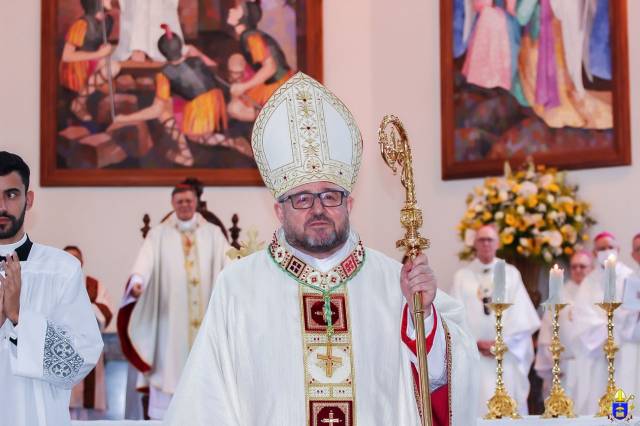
{"x":55,"y":344}
{"x":177,"y":265}
{"x":263,"y":355}
{"x":471,"y":285}
{"x":589,"y":334}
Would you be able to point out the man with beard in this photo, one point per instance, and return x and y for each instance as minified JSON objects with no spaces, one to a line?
{"x":49,"y":338}
{"x":315,"y":329}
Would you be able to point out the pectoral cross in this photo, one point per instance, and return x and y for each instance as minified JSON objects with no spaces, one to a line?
{"x":329,"y":361}
{"x":330,"y":420}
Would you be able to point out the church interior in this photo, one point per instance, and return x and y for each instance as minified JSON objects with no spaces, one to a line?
{"x":103,"y":177}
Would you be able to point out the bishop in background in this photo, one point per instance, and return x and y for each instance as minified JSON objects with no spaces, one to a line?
{"x":316,"y":329}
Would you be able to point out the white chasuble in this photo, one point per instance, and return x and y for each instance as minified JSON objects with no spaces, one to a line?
{"x":177,"y":269}
{"x":473,"y":286}
{"x":55,"y":344}
{"x":272,"y":352}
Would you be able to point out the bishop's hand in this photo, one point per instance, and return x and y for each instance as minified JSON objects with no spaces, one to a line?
{"x":11,"y":284}
{"x":417,"y":276}
{"x":484,"y":347}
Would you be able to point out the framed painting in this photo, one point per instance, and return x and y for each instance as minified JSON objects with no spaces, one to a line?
{"x":146,"y":92}
{"x":546,"y":79}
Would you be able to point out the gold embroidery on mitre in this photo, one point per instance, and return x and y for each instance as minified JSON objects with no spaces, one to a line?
{"x":299,"y":137}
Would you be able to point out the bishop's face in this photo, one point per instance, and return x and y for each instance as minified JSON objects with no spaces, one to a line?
{"x":15,"y":200}
{"x":185,"y":204}
{"x":315,"y":217}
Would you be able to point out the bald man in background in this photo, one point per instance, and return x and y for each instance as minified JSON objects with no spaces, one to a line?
{"x":473,"y":286}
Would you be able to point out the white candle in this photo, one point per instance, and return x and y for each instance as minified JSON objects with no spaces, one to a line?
{"x":610,"y":279}
{"x":499,"y":282}
{"x":556,"y":278}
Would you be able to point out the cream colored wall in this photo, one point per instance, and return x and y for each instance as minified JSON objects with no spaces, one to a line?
{"x":380,"y":57}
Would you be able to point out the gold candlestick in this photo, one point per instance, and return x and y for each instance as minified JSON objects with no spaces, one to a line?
{"x":557,"y":403}
{"x":501,"y":404}
{"x":610,"y":348}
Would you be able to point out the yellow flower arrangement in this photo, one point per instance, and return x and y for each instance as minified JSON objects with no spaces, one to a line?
{"x":537,"y":213}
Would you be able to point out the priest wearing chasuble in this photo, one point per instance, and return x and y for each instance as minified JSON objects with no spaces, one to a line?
{"x":473,"y":285}
{"x":316,"y":329}
{"x":167,"y":294}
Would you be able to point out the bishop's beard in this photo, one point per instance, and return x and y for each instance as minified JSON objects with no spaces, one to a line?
{"x":312,"y":244}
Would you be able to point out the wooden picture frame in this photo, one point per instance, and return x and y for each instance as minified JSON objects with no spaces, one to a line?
{"x":477,"y":138}
{"x":79,"y":164}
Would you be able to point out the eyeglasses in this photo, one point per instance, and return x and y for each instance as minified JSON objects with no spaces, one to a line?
{"x":305,"y":200}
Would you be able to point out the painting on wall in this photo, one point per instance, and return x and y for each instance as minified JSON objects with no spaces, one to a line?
{"x":541,"y":79}
{"x":144,"y":92}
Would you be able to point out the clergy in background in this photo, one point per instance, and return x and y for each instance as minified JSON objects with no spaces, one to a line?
{"x":316,"y":329}
{"x":167,"y":295}
{"x":473,"y":286}
{"x":580,"y":266}
{"x":90,"y":394}
{"x":589,"y":334}
{"x":49,"y":337}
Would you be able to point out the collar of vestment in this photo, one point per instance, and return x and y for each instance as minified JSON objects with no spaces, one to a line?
{"x":186,"y":225}
{"x":22,"y":249}
{"x":310,"y":277}
{"x":478,"y":267}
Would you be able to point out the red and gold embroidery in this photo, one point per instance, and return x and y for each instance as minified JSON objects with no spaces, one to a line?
{"x":326,"y":337}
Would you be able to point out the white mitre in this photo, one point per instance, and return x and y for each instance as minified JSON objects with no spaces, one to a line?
{"x":306,"y":134}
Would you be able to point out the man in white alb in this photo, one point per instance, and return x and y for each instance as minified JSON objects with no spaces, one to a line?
{"x":167,"y":296}
{"x":473,"y":286}
{"x":315,"y":329}
{"x":49,"y":336}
